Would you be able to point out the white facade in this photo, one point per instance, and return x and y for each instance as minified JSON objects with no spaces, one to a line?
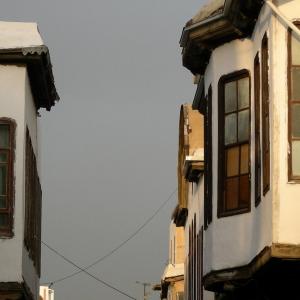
{"x":236,"y":240}
{"x":19,"y":102}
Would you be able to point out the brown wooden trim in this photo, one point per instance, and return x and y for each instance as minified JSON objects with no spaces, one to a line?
{"x":221,"y":211}
{"x":214,"y":280}
{"x":287,"y":251}
{"x":8,"y":232}
{"x":257,"y":130}
{"x":265,"y":114}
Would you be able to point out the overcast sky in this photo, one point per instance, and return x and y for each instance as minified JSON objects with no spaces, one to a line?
{"x":109,"y":147}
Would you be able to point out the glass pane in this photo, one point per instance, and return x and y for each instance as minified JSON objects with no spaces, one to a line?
{"x":230,"y":97}
{"x":243,"y":92}
{"x":296,"y":157}
{"x":233,"y":161}
{"x":232,"y":193}
{"x":3,"y":157}
{"x":3,"y":178}
{"x":230,"y":129}
{"x":3,"y":220}
{"x":245,"y":159}
{"x":296,"y":83}
{"x":4,"y":136}
{"x":244,"y":125}
{"x":244,"y":191}
{"x":2,"y":202}
{"x":296,"y":120}
{"x":295,"y":51}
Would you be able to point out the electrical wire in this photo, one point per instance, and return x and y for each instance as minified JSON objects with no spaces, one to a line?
{"x":100,"y":259}
{"x":86,"y":272}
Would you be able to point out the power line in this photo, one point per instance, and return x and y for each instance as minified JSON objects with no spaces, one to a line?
{"x":86,"y":272}
{"x":100,"y":259}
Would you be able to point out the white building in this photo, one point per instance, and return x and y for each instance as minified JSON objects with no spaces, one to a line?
{"x":26,"y":85}
{"x":46,"y":293}
{"x":246,"y":56}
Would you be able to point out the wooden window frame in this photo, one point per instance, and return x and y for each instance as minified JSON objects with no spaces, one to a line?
{"x":221,"y":211}
{"x":208,"y":160}
{"x":33,"y":206}
{"x":7,"y":232}
{"x":257,"y":109}
{"x":265,"y":114}
{"x":291,"y":177}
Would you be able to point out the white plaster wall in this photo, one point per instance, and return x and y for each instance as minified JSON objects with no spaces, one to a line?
{"x":235,"y":241}
{"x":28,"y":270}
{"x":12,"y":104}
{"x":196,"y":207}
{"x":286,"y":203}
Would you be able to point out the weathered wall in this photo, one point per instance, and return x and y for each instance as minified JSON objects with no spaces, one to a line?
{"x":12,"y":103}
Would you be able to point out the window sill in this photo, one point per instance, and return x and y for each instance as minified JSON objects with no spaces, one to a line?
{"x":233,"y":212}
{"x":193,"y":168}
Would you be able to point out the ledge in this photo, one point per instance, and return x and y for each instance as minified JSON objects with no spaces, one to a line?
{"x":193,"y":168}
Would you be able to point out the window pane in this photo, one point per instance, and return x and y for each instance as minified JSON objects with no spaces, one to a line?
{"x":244,"y":191}
{"x":245,"y":159}
{"x":230,"y":97}
{"x":4,"y":136}
{"x":296,"y":120}
{"x":3,"y":157}
{"x":296,"y":158}
{"x":3,"y":220}
{"x":243,"y":126}
{"x":295,"y":51}
{"x":233,"y":161}
{"x":230,"y":129}
{"x":3,"y":178}
{"x":232,"y":193}
{"x":2,"y":202}
{"x":243,"y":93}
{"x":296,"y":83}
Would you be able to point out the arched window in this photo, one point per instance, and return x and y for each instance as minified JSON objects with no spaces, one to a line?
{"x":234,"y":144}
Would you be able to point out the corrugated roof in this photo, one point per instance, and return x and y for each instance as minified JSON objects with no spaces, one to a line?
{"x":210,"y":9}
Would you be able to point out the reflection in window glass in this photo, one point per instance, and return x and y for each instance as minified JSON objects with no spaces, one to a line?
{"x":4,"y":136}
{"x":295,"y":51}
{"x":296,"y":157}
{"x":243,"y":93}
{"x":244,"y":159}
{"x":230,"y":129}
{"x":3,"y":177}
{"x":2,"y":202}
{"x":296,"y":83}
{"x":243,"y":125}
{"x":296,"y":120}
{"x":3,"y":220}
{"x":232,"y":193}
{"x":230,"y":97}
{"x":233,"y":159}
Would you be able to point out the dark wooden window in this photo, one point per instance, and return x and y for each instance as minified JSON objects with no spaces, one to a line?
{"x":7,"y":145}
{"x":265,"y":114}
{"x":33,"y":206}
{"x":257,"y":130}
{"x":234,"y":144}
{"x":294,"y":105}
{"x":208,"y":160}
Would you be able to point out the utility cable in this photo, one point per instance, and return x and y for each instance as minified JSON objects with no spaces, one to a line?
{"x":100,"y":259}
{"x":86,"y":272}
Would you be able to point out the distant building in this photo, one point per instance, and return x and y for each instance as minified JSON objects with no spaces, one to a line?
{"x":46,"y":293}
{"x":26,"y":85}
{"x":245,"y":56}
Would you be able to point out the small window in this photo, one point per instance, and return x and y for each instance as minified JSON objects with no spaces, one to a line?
{"x":234,"y":144}
{"x":7,"y":142}
{"x":294,"y":106}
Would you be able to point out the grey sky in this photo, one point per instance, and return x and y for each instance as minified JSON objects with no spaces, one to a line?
{"x":109,"y":148}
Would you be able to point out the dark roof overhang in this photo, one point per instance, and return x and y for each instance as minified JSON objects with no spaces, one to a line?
{"x":236,"y":20}
{"x":37,"y":60}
